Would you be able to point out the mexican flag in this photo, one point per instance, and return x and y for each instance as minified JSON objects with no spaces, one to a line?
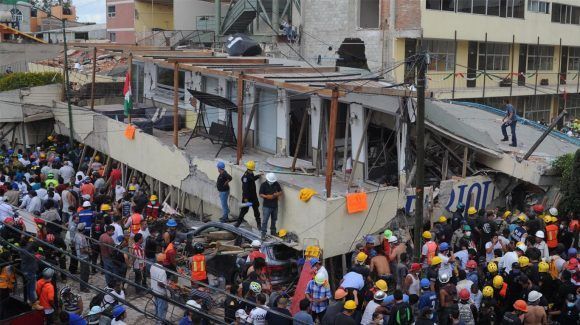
{"x":128,"y":104}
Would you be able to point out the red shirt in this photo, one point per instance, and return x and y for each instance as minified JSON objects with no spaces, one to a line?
{"x":115,"y":176}
{"x":255,"y":254}
{"x":45,"y":293}
{"x":88,"y":189}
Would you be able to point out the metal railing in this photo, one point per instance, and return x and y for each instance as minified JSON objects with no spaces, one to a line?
{"x":172,"y":38}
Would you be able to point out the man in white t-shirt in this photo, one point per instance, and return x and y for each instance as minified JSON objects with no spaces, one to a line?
{"x":119,"y":192}
{"x":258,"y":314}
{"x":67,"y":172}
{"x":159,"y":286}
{"x":491,"y":246}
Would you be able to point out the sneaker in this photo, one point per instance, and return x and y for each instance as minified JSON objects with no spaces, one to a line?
{"x":505,"y":139}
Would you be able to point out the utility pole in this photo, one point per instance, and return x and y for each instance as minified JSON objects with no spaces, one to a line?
{"x":93,"y":78}
{"x":66,"y":84}
{"x":422,"y":62}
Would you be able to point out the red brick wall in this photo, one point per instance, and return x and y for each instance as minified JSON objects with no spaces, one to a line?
{"x":408,"y":14}
{"x":385,"y":4}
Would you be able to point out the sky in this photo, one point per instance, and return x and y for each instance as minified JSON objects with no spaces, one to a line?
{"x":90,"y":10}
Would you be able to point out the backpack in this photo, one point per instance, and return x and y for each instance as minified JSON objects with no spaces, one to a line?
{"x":404,"y":315}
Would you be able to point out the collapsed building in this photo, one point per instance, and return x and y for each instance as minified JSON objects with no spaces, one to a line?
{"x":290,"y":110}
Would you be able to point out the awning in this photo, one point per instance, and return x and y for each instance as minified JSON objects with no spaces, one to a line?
{"x":213,"y":100}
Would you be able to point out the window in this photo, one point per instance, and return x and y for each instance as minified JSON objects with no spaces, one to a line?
{"x":442,"y":55}
{"x":498,"y":56}
{"x":496,"y":8}
{"x":540,"y":57}
{"x":112,"y":37}
{"x":369,"y":13}
{"x":538,"y":108}
{"x":464,"y":6}
{"x":574,"y":59}
{"x":565,"y":14}
{"x":434,"y":4}
{"x":479,"y":6}
{"x":572,"y":106}
{"x":111,"y":11}
{"x":517,"y":8}
{"x":493,"y":7}
{"x":165,"y":78}
{"x":16,"y":15}
{"x":542,"y":7}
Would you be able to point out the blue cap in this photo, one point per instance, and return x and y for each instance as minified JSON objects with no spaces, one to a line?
{"x":313,"y":261}
{"x":443,"y":247}
{"x":118,"y":311}
{"x":15,"y":186}
{"x":425,"y":283}
{"x":572,"y":252}
{"x":460,"y":205}
{"x":221,"y":165}
{"x":171,"y":223}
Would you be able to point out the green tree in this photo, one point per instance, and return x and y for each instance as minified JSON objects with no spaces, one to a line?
{"x":569,"y":167}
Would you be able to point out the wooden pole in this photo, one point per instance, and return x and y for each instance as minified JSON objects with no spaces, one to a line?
{"x":93,"y":79}
{"x":300,"y":134}
{"x":240,"y":97}
{"x":130,"y":67}
{"x":359,"y":149}
{"x":175,"y":103}
{"x":464,"y":169}
{"x":331,"y":138}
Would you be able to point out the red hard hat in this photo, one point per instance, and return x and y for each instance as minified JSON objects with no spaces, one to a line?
{"x":538,"y":208}
{"x":50,"y":238}
{"x":39,"y":221}
{"x":521,"y":306}
{"x":472,"y":264}
{"x":464,"y":294}
{"x":572,"y":264}
{"x":8,"y":219}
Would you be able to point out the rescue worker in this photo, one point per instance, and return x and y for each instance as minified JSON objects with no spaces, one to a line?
{"x":256,"y":245}
{"x":249,"y":195}
{"x":46,"y":295}
{"x":467,"y":310}
{"x":541,"y":244}
{"x":429,"y":249}
{"x":199,"y":263}
{"x":270,"y":192}
{"x":50,"y":181}
{"x":7,"y":281}
{"x":551,"y":231}
{"x":134,"y":222}
{"x":517,"y":316}
{"x":457,"y":218}
{"x":223,"y":187}
{"x":152,"y":209}
{"x":87,"y":216}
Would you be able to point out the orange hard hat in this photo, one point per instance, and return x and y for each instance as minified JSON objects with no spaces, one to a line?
{"x":521,"y":306}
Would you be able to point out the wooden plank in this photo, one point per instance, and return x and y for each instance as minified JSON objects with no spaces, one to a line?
{"x":374,"y":90}
{"x":331,"y":139}
{"x":216,"y":60}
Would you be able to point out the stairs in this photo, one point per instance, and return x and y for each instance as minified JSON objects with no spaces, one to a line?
{"x":241,"y":14}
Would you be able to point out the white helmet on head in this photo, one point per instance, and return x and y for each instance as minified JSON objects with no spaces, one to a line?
{"x":256,"y":243}
{"x":271,"y":178}
{"x":553,"y":212}
{"x":540,"y":234}
{"x":393,"y":239}
{"x":256,"y":287}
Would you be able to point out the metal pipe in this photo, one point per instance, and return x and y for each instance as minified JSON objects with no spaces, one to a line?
{"x":543,"y":136}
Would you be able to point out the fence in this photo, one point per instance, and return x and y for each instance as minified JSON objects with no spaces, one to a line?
{"x":173,"y":38}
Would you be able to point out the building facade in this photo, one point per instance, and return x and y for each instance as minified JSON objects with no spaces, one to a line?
{"x":130,"y":21}
{"x":486,"y":50}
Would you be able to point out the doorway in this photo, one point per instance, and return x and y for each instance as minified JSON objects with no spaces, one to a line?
{"x":382,"y":165}
{"x":298,"y":116}
{"x":522,"y":65}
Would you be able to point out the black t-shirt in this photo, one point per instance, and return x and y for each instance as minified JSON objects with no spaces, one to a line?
{"x":343,"y":319}
{"x":487,"y":230}
{"x":223,"y":178}
{"x":150,"y":247}
{"x":268,"y":189}
{"x":249,"y":186}
{"x":276,"y":319}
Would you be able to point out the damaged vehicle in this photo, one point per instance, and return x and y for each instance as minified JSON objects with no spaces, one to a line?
{"x":233,"y":245}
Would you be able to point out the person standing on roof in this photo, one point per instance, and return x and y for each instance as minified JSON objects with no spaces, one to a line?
{"x":249,"y":195}
{"x":510,"y":119}
{"x":270,"y":191}
{"x":223,"y":187}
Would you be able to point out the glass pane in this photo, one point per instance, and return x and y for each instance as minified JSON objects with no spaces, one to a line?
{"x":479,"y":7}
{"x":434,"y":4}
{"x":449,"y":5}
{"x":519,"y":8}
{"x":576,"y":16}
{"x":464,"y":6}
{"x":556,"y":12}
{"x":266,"y":128}
{"x":493,"y":7}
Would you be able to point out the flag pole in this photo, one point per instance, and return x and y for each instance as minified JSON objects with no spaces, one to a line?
{"x":129,"y":72}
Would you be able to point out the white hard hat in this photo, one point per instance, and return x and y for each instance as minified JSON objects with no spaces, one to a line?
{"x":256,"y":243}
{"x":540,"y":234}
{"x":534,"y":296}
{"x":393,"y":239}
{"x":193,"y":303}
{"x":86,"y":204}
{"x":271,"y":177}
{"x":553,"y":212}
{"x":522,"y":247}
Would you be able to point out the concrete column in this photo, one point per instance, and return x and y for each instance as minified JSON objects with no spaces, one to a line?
{"x":218,"y":18}
{"x":282,"y":114}
{"x":357,"y":127}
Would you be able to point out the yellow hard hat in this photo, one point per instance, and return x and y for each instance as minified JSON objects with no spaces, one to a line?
{"x":436,"y":260}
{"x":442,"y":219}
{"x":543,"y":267}
{"x":524,"y":261}
{"x":282,"y":232}
{"x":361,"y":257}
{"x":497,"y":281}
{"x":382,"y":285}
{"x":251,"y":165}
{"x":350,"y":305}
{"x":554,"y":219}
{"x":471,"y":210}
{"x":153,"y":197}
{"x":97,"y":158}
{"x":522,"y":217}
{"x":427,"y":234}
{"x":50,"y":138}
{"x":491,"y":267}
{"x":488,"y":291}
{"x":547,"y":219}
{"x":507,"y":214}
{"x":105,"y":207}
{"x":42,"y":155}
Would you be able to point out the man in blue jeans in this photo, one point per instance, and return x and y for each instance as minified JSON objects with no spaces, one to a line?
{"x":270,"y":191}
{"x":510,"y":119}
{"x":223,"y":187}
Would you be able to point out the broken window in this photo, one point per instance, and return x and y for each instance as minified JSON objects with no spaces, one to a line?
{"x":382,"y":165}
{"x":352,"y":54}
{"x":165,"y":77}
{"x":369,"y":13}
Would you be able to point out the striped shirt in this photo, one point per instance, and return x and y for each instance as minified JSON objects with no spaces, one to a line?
{"x":139,"y":262}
